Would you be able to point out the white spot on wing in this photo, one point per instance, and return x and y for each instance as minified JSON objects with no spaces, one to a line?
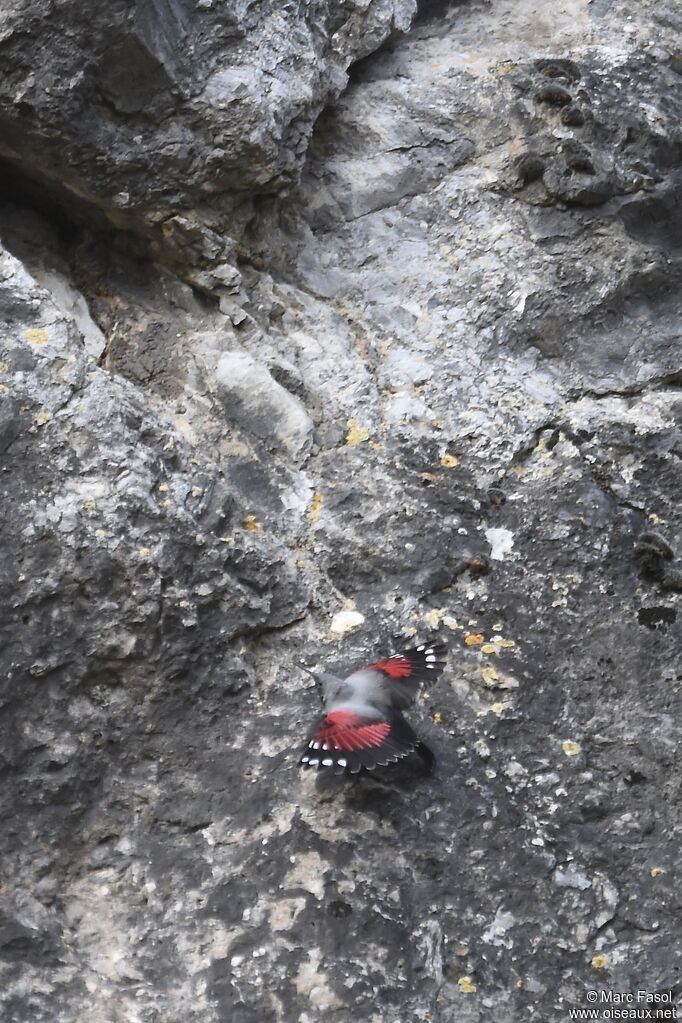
{"x":304,"y":760}
{"x":314,"y":761}
{"x":327,"y":762}
{"x":420,"y":648}
{"x":430,"y":657}
{"x":341,"y":762}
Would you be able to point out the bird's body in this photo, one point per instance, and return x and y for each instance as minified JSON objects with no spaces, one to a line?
{"x":363,"y":726}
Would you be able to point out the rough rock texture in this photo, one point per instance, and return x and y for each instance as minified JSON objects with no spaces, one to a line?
{"x":153,"y":109}
{"x":437,"y":393}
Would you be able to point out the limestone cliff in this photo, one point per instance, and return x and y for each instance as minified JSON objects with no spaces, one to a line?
{"x":309,"y":308}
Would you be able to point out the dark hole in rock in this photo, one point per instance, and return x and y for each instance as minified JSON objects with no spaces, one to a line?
{"x":65,"y":211}
{"x":339,"y":909}
{"x":656,"y":617}
{"x":634,"y":777}
{"x":554,"y":95}
{"x":427,"y":9}
{"x":560,"y":67}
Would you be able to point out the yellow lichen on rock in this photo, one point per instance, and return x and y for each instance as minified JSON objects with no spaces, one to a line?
{"x":316,"y":506}
{"x":37,"y":336}
{"x":489,"y":675}
{"x":570,"y":748}
{"x":433,"y":618}
{"x":251,"y":524}
{"x":600,"y":962}
{"x":356,"y":434}
{"x":466,"y":985}
{"x":449,"y":462}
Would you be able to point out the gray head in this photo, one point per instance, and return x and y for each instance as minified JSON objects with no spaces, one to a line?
{"x":331,"y":684}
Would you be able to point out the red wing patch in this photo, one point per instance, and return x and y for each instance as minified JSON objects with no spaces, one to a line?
{"x":397,"y":666}
{"x":346,"y":731}
{"x":348,"y":742}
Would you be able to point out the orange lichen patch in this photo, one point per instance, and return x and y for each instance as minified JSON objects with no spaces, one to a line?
{"x":466,"y":985}
{"x":438,"y":717}
{"x":474,"y":639}
{"x":449,"y":462}
{"x":37,"y":336}
{"x":316,"y":506}
{"x":251,"y":524}
{"x":356,"y":434}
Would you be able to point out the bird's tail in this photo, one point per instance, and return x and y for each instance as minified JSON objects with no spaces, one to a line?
{"x":427,"y":757}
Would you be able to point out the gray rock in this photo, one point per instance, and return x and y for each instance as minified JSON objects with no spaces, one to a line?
{"x":145,"y":109}
{"x":263,"y":408}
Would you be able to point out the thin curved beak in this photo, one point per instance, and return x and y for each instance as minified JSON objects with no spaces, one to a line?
{"x":308,"y":671}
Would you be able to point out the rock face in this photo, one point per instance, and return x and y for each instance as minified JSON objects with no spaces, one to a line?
{"x":408,"y":367}
{"x":152,"y":109}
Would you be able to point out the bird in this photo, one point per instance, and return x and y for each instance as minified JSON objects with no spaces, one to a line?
{"x":363,"y":727}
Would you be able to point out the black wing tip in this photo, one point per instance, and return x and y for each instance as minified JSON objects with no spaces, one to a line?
{"x":428,"y":659}
{"x":427,"y":757}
